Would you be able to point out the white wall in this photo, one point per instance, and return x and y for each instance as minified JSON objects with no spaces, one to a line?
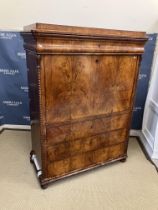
{"x":150,"y":121}
{"x":117,"y":14}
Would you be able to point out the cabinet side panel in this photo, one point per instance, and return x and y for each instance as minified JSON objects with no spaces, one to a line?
{"x":32,"y":64}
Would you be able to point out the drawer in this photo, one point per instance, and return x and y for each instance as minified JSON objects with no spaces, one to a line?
{"x":72,"y":148}
{"x":85,"y":128}
{"x":109,"y":153}
{"x":85,"y":160}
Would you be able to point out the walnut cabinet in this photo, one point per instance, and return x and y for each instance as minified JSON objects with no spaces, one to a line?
{"x":82,"y":83}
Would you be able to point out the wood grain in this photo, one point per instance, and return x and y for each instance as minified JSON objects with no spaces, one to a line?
{"x":82,"y":84}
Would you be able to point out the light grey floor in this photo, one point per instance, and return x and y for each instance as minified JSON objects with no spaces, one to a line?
{"x":121,"y":186}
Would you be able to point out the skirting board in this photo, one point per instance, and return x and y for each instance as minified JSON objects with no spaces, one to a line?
{"x":16,"y":127}
{"x":145,"y":146}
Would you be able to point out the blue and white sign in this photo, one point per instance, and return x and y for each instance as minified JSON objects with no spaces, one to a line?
{"x":13,"y":80}
{"x":143,"y":81}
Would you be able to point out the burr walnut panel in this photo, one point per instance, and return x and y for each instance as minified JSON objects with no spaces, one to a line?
{"x":84,"y":160}
{"x":71,"y":148}
{"x":78,"y":86}
{"x":85,"y":128}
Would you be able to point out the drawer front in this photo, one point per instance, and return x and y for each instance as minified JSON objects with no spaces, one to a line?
{"x":84,"y":129}
{"x":82,"y":86}
{"x":72,"y":148}
{"x":85,"y":160}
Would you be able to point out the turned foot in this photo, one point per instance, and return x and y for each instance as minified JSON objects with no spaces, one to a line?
{"x":44,"y":186}
{"x":31,"y":154}
{"x":31,"y":161}
{"x":123,"y":160}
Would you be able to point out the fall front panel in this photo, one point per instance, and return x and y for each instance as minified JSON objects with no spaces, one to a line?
{"x":81,"y":86}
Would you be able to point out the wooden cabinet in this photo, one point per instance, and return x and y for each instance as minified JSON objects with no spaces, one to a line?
{"x":82,"y":83}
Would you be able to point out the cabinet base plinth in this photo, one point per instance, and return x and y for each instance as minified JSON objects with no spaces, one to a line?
{"x":123,"y":160}
{"x":45,"y":182}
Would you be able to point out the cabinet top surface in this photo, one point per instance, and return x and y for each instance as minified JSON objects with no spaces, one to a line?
{"x":82,"y":31}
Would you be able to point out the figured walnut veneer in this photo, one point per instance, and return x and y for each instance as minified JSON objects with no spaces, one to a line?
{"x":82,"y":83}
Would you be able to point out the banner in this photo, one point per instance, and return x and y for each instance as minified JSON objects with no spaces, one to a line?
{"x":143,"y":81}
{"x":13,"y":80}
